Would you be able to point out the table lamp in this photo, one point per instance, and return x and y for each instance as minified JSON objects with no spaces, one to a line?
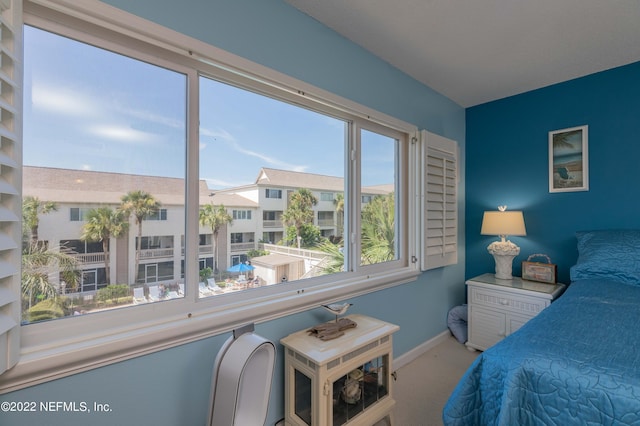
{"x":503,"y":223}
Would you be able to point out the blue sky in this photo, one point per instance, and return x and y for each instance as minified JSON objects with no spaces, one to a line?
{"x":89,"y":109}
{"x":240,"y":130}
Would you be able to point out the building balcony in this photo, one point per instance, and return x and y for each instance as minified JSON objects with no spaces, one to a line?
{"x":86,"y":258}
{"x":156,"y":253}
{"x":294,"y":251}
{"x":205,"y":249}
{"x":272,"y":224}
{"x":202,"y":249}
{"x":243,"y":246}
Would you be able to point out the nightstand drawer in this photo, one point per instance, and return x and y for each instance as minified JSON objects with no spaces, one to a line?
{"x":487,"y":327}
{"x":503,"y":300}
{"x":498,"y":307}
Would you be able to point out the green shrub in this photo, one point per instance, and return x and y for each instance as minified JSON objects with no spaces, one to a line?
{"x":46,"y":310}
{"x":256,"y":253}
{"x":113,"y":291}
{"x":205,"y":274}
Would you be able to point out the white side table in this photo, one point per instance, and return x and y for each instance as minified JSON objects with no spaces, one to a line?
{"x":317,"y":374}
{"x":498,"y":307}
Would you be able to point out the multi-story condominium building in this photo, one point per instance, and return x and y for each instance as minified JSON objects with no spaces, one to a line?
{"x":256,"y":210}
{"x":271,"y":192}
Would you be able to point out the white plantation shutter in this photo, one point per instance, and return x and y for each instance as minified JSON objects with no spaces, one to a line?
{"x":439,"y":201}
{"x":10,"y":179}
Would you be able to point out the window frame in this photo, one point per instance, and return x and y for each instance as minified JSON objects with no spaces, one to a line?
{"x":271,"y":193}
{"x":86,"y":344}
{"x":327,"y":196}
{"x":81,"y":212}
{"x":241,"y":214}
{"x":159,"y":215}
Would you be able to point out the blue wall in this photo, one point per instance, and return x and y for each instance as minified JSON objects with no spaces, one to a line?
{"x":507,"y":163}
{"x":274,"y":34}
{"x":172,"y":387}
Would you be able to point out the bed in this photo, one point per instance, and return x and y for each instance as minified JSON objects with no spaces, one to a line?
{"x":578,"y":361}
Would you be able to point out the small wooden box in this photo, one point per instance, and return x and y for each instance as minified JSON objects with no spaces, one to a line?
{"x":538,"y":271}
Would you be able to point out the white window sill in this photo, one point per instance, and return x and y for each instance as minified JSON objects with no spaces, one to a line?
{"x":39,"y":364}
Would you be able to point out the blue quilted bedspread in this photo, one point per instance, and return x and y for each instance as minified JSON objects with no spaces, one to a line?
{"x":576,"y":363}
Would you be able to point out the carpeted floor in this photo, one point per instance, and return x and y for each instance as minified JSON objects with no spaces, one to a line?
{"x":424,"y":385}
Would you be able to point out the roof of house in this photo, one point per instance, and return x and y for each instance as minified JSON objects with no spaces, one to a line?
{"x":273,"y":260}
{"x":91,"y":187}
{"x":286,"y":178}
{"x":228,"y":200}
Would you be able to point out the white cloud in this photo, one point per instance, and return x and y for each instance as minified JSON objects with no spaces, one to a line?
{"x":121,"y":133}
{"x":62,"y":101}
{"x":147,"y":116}
{"x":265,"y":159}
{"x":216,"y":134}
{"x":271,"y":161}
{"x":75,"y":104}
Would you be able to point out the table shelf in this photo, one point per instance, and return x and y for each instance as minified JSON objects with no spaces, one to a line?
{"x":344,"y":381}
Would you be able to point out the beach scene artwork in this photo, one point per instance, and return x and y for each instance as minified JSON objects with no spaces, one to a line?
{"x":568,"y":167}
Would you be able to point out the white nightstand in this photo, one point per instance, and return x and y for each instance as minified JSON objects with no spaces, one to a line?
{"x":318,"y":372}
{"x":497,"y":307}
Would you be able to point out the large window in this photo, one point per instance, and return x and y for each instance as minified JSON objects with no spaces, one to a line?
{"x":244,"y":135}
{"x":110,"y":129}
{"x":172,"y":147}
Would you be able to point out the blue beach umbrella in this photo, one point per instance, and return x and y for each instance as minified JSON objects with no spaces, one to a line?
{"x":241,"y":267}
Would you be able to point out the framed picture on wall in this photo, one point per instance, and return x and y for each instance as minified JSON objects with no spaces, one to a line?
{"x":569,"y":160}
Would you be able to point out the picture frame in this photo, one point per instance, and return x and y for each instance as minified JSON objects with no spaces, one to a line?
{"x":542,"y":272}
{"x":569,"y":159}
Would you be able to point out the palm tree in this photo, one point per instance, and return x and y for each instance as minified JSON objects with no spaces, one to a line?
{"x":378,"y":236}
{"x":378,"y":230}
{"x":338,"y":202}
{"x":32,"y":208}
{"x":334,"y":262}
{"x":215,"y":217}
{"x":561,"y":140}
{"x":300,"y":210}
{"x":140,"y":204}
{"x":102,"y":224}
{"x":39,"y":264}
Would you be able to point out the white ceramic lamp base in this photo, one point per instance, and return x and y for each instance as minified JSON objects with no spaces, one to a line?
{"x":503,"y":252}
{"x":503,"y":266}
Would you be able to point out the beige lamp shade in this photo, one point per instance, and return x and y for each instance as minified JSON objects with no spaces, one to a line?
{"x":503,"y":223}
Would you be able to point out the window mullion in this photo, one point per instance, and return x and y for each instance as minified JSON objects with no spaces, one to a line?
{"x":192,"y":190}
{"x":352,"y":197}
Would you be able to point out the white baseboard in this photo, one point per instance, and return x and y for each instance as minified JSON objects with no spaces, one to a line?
{"x":408,"y":357}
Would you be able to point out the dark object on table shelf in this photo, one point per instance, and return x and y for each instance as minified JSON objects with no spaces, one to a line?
{"x":332,"y":330}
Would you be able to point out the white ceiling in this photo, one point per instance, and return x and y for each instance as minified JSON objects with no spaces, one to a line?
{"x":475,"y":51}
